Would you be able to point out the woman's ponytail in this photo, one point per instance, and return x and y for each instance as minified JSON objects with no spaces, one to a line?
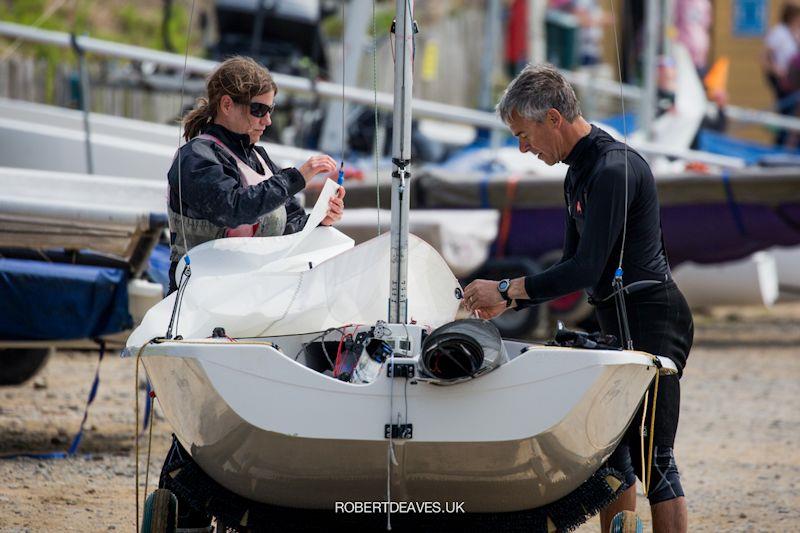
{"x":197,"y":118}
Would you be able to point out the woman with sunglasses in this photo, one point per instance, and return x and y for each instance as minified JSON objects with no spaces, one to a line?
{"x":229,"y":186}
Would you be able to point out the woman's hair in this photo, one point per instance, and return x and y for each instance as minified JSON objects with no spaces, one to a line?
{"x":239,"y":77}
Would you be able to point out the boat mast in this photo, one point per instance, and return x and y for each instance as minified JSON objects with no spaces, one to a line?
{"x":401,"y":159}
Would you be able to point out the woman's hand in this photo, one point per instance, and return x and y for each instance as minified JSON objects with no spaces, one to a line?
{"x":317,"y":164}
{"x":335,"y":208}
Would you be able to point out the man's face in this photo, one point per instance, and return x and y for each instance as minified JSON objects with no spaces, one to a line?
{"x":541,"y":139}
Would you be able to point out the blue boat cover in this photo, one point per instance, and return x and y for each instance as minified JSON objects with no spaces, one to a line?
{"x":158,"y":266}
{"x":57,"y":301}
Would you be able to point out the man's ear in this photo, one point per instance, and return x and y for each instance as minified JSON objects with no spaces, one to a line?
{"x":554,"y":117}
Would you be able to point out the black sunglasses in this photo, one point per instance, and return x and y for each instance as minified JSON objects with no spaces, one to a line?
{"x":261,"y":110}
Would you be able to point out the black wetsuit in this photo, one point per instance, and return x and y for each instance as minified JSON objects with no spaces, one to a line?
{"x":594,"y":191}
{"x":659,"y":318}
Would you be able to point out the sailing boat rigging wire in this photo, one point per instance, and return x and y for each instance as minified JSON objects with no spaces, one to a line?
{"x":375,"y":146}
{"x":617,"y":284}
{"x":187,"y":271}
{"x":619,"y":288}
{"x":340,"y":180}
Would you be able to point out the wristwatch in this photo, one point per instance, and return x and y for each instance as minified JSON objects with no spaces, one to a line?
{"x":502,"y":288}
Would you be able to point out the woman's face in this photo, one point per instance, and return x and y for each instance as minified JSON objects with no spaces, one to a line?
{"x":237,"y":117}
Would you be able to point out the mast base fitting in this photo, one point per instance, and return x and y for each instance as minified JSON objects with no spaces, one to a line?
{"x":414,"y":26}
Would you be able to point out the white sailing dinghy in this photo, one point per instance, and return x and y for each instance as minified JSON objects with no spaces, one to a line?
{"x":261,"y":418}
{"x":258,"y":409}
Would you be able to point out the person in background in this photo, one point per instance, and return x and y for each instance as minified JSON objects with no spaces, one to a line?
{"x":781,"y":46}
{"x":592,"y":20}
{"x":693,"y":22}
{"x":516,"y":37}
{"x":229,"y":187}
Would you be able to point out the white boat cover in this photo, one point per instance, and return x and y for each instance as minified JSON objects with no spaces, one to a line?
{"x":309,"y":281}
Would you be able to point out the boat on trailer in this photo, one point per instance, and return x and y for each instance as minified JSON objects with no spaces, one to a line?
{"x":279,"y":431}
{"x":249,"y":393}
{"x":246,"y":377}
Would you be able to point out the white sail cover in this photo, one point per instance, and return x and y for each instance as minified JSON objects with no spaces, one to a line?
{"x":305,"y":282}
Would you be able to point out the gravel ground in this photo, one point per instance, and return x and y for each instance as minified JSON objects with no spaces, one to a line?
{"x":737,"y":444}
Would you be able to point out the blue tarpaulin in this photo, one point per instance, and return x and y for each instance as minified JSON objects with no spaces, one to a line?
{"x":58,"y":301}
{"x":158,"y":267}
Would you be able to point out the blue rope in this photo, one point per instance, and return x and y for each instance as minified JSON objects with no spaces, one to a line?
{"x":483,"y":189}
{"x":732,"y":205}
{"x":76,"y":440}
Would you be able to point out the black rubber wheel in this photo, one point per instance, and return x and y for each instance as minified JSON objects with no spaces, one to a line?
{"x":160,"y":512}
{"x":18,"y":365}
{"x":512,"y":324}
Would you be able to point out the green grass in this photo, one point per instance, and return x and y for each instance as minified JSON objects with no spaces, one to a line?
{"x":135,"y":23}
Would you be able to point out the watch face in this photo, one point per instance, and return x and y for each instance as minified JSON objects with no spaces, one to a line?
{"x":503,"y":285}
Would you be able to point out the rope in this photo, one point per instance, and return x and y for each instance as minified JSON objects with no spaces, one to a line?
{"x":390,"y":455}
{"x":642,"y":427}
{"x":180,"y":110}
{"x":617,"y":283}
{"x":340,"y":179}
{"x":136,"y":428}
{"x":151,"y":394}
{"x":76,"y":440}
{"x":646,"y":487}
{"x":187,"y":271}
{"x":375,"y":146}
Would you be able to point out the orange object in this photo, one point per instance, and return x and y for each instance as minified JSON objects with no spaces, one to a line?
{"x":697,"y":166}
{"x":505,"y":217}
{"x":716,"y":81}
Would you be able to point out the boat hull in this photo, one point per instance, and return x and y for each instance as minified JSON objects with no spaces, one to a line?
{"x":518,"y":438}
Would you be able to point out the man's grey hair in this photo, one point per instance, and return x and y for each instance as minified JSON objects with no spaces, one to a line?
{"x":534,"y":91}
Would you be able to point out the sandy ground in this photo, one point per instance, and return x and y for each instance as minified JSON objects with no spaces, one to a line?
{"x":737,"y":445}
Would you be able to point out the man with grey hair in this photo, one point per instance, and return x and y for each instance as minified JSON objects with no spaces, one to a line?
{"x":611,"y":199}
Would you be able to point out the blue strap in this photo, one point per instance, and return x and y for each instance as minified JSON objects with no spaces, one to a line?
{"x":732,"y":205}
{"x":76,"y":440}
{"x":483,"y":189}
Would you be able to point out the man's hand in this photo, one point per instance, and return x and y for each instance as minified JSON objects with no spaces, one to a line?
{"x":335,"y":208}
{"x":482,"y":294}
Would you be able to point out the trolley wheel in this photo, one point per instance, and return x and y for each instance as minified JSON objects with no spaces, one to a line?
{"x":626,"y":522}
{"x":17,"y":365}
{"x":160,"y":512}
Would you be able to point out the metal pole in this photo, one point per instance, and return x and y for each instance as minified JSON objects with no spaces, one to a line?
{"x":537,"y":46}
{"x":670,"y":32}
{"x":326,"y":89}
{"x":258,"y":30}
{"x":401,"y":160}
{"x":649,"y":71}
{"x":490,"y":42}
{"x":85,"y":102}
